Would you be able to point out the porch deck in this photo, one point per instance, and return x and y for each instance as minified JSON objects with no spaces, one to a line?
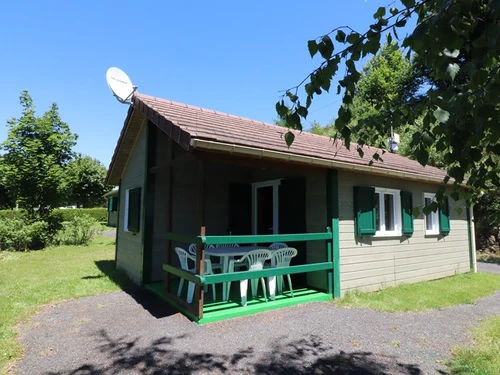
{"x":219,"y":310}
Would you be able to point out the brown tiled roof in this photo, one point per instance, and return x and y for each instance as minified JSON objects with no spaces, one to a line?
{"x":185,"y":123}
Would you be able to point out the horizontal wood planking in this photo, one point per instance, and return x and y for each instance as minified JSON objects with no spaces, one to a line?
{"x":130,"y":252}
{"x":371,"y":263}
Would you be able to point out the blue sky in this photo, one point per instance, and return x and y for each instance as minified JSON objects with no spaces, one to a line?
{"x":231,"y":56}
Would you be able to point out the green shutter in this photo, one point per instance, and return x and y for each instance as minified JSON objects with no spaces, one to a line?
{"x":365,"y":215}
{"x":444,"y":217}
{"x":114,"y":206}
{"x":134,"y":209}
{"x":110,"y":204}
{"x":407,"y":213}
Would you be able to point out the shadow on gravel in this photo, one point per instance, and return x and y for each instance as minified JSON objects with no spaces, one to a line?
{"x":148,"y":300}
{"x":305,"y":356}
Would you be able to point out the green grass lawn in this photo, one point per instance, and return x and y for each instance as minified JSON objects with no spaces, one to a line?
{"x":31,"y":279}
{"x":484,"y":357}
{"x":437,"y":294}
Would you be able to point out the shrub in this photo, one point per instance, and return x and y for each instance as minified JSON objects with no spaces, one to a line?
{"x":12,"y":214}
{"x":99,"y":213}
{"x":78,"y":231}
{"x":18,"y":235}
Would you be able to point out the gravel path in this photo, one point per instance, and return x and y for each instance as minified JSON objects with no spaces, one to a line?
{"x":488,"y":267}
{"x":133,"y":333}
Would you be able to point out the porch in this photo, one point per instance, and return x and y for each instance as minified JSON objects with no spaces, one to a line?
{"x":210,"y":199}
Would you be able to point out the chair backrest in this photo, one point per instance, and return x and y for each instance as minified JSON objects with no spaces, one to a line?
{"x":227,"y":245}
{"x":184,"y":257}
{"x":277,"y":245}
{"x":192,"y":248}
{"x":283,"y":257}
{"x":256,"y":259}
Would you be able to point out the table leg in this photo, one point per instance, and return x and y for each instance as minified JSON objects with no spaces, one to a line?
{"x":225,"y":268}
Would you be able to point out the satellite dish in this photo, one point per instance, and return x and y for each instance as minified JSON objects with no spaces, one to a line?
{"x":120,"y":84}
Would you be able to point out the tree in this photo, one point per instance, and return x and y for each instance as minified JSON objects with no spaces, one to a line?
{"x":85,"y":182}
{"x":37,"y":150}
{"x":7,"y":200}
{"x":457,"y":44}
{"x":387,"y":78}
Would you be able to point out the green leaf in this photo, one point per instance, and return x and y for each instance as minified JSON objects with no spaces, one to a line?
{"x":292,"y":96}
{"x":441,"y":115}
{"x":394,"y":11}
{"x":453,"y":54}
{"x":379,"y":13}
{"x":340,"y":37}
{"x":326,"y":47}
{"x":289,"y":138}
{"x":400,"y":23}
{"x":452,"y":70}
{"x":353,"y":38}
{"x":422,"y":157}
{"x":313,"y":47}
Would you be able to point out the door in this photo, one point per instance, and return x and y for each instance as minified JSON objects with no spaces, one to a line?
{"x":240,"y":209}
{"x":292,"y":219}
{"x":265,"y":201}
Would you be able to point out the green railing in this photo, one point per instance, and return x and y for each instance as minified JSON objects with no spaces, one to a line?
{"x":201,"y":280}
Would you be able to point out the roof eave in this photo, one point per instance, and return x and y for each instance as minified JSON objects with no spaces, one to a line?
{"x":308,"y":160}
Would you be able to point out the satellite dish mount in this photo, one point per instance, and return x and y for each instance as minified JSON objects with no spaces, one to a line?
{"x":120,"y":85}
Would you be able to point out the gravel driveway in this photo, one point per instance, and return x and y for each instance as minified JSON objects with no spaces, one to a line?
{"x":134,"y":333}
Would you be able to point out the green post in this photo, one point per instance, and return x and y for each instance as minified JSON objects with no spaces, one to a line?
{"x":469,"y":236}
{"x":332,"y":198}
{"x":329,"y":258}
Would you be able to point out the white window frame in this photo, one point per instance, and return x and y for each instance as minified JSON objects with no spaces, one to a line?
{"x":275,"y":185}
{"x":381,"y":212}
{"x":125,"y":211}
{"x":433,"y":215}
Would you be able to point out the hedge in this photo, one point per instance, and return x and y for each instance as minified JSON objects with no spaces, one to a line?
{"x":99,"y":213}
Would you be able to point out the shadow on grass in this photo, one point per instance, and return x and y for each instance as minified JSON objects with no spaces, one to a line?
{"x":305,"y":356}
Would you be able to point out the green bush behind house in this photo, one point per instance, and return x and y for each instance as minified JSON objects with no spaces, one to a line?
{"x":99,"y":213}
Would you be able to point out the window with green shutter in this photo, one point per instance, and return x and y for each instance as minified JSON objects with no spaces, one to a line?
{"x":365,"y":214}
{"x":444,"y":217}
{"x":407,"y":213}
{"x":112,"y":204}
{"x":134,"y":210}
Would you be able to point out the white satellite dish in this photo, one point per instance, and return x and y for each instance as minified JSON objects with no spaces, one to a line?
{"x":120,"y":84}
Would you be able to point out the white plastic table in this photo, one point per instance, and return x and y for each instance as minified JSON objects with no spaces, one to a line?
{"x":225,"y":252}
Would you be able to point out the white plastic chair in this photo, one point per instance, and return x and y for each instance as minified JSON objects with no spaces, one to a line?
{"x":277,"y":245}
{"x":192,"y":250}
{"x":255,"y":261}
{"x":280,"y":258}
{"x":184,"y":258}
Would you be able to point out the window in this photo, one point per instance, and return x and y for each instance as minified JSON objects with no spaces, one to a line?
{"x":388,"y":212}
{"x":132,"y":212}
{"x":382,"y":212}
{"x":112,"y":204}
{"x":432,"y":219}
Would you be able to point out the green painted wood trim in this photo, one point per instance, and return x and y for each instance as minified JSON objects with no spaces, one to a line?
{"x":117,"y":232}
{"x":170,"y":299}
{"x":469,"y":236}
{"x":267,"y":238}
{"x":243,"y":275}
{"x":210,"y":317}
{"x":329,"y":258}
{"x":194,"y":278}
{"x":181,"y":238}
{"x":148,"y":206}
{"x":332,"y":195}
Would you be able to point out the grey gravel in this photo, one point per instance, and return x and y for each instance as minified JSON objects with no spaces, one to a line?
{"x":488,"y":267}
{"x":134,"y":333}
{"x":109,"y":233}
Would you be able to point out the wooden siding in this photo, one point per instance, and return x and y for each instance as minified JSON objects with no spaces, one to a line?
{"x":376,"y":263}
{"x":129,"y":255}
